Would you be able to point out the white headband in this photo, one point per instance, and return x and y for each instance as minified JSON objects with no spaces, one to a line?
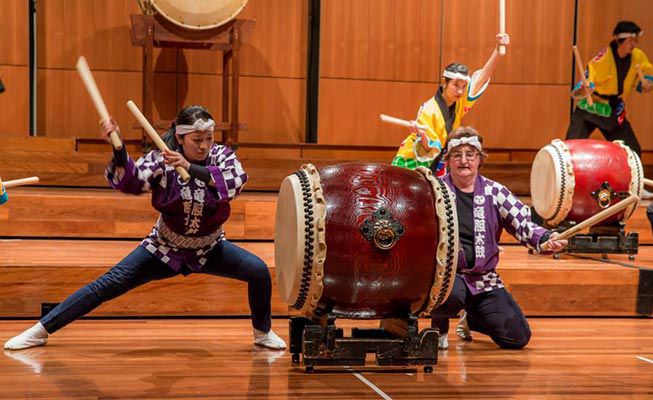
{"x":199,"y":125}
{"x":624,"y":35}
{"x":472,"y":141}
{"x":455,"y":75}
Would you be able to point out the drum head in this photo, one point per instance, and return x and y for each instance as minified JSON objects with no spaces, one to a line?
{"x":448,"y":245}
{"x":299,"y":239}
{"x":636,"y":185}
{"x":289,"y":239}
{"x":199,"y":14}
{"x":545,"y":183}
{"x":553,"y":182}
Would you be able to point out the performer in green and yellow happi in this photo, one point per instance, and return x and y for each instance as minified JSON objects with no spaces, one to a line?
{"x":612,"y":75}
{"x":444,"y":112}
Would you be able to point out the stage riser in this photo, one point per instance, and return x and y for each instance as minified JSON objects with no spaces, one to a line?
{"x":202,"y":295}
{"x":24,"y":290}
{"x":95,"y":213}
{"x":33,"y":272}
{"x":86,"y":169}
{"x":81,"y":163}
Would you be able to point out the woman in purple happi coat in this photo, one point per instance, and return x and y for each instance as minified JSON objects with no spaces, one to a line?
{"x":187,"y":237}
{"x":484,"y":209}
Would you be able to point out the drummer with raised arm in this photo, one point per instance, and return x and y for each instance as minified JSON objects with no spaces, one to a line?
{"x":444,"y":112}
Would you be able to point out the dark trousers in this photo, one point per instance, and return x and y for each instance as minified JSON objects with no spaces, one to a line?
{"x":583,"y":123}
{"x":140,"y":266}
{"x":493,"y":313}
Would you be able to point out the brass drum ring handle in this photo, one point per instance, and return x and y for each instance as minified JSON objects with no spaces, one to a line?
{"x":604,"y":199}
{"x":604,"y":194}
{"x":382,"y":229}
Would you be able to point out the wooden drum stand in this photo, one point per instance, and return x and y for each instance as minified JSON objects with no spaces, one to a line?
{"x":149,"y":32}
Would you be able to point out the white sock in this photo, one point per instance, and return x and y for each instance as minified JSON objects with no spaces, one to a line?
{"x":462,"y":329}
{"x":443,"y":341}
{"x":268,"y":339}
{"x":32,"y":337}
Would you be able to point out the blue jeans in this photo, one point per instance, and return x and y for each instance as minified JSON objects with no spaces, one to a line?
{"x":140,"y":267}
{"x":494,"y":313}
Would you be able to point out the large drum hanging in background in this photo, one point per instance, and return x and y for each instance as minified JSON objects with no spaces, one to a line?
{"x":572,"y":180}
{"x":365,"y":241}
{"x":198,"y":14}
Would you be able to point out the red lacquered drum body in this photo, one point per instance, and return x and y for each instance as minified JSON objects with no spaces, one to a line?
{"x":365,"y":241}
{"x":573,"y":180}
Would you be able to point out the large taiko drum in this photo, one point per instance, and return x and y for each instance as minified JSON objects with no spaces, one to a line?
{"x":365,"y":241}
{"x":572,"y":180}
{"x":197,"y":15}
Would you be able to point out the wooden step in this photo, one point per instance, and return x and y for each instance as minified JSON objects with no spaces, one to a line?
{"x":47,"y":271}
{"x":86,"y":169}
{"x":33,"y":272}
{"x":81,"y":163}
{"x":105,"y":213}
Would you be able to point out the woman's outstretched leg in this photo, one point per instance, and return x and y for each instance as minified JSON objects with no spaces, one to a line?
{"x":135,"y":269}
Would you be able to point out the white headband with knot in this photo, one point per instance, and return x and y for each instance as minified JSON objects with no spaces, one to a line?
{"x":624,"y":35}
{"x":456,"y":75}
{"x":199,"y":125}
{"x":471,"y":140}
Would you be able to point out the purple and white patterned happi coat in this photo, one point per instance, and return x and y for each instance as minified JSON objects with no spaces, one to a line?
{"x":495,"y":209}
{"x":192,"y":213}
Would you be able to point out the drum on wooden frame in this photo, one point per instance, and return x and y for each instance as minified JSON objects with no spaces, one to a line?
{"x":197,"y":15}
{"x":572,"y":180}
{"x":363,"y":240}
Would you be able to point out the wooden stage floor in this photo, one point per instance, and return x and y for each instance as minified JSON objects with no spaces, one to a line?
{"x":583,"y":358}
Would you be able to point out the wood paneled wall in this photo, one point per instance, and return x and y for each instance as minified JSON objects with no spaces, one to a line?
{"x":527,"y":104}
{"x":377,"y":56}
{"x":272,"y":70}
{"x":387,"y":56}
{"x":14,"y":71}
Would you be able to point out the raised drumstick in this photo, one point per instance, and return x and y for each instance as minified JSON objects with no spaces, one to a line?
{"x":154,"y":135}
{"x":502,"y":24}
{"x":595,"y":219}
{"x":581,"y":71}
{"x":399,"y":122}
{"x":94,"y":92}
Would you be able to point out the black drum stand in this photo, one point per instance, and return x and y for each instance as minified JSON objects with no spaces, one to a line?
{"x":323,"y":344}
{"x":604,"y":240}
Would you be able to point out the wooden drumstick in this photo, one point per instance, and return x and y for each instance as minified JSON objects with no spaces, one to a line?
{"x":593,"y":220}
{"x":648,"y":182}
{"x":32,"y":180}
{"x":399,"y":122}
{"x":581,"y":71}
{"x":3,"y":193}
{"x":640,"y":75}
{"x":154,"y":135}
{"x":502,"y":24}
{"x":93,"y":91}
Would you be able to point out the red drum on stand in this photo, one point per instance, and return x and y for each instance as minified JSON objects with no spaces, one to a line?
{"x":573,"y":180}
{"x":365,"y":241}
